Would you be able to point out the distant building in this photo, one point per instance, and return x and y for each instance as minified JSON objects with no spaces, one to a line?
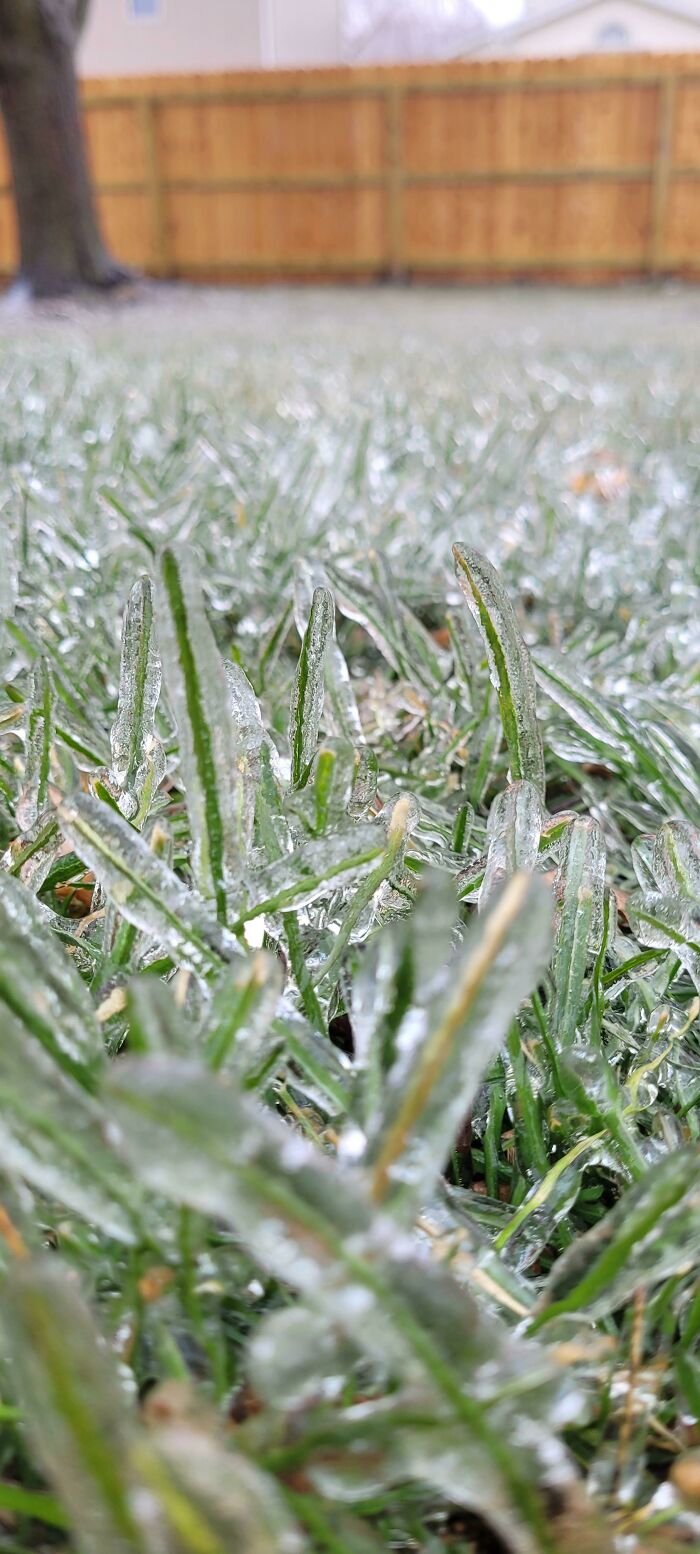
{"x":398,"y":31}
{"x":150,"y":37}
{"x":549,"y":30}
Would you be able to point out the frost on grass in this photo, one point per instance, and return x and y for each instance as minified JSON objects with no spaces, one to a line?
{"x":350,"y":1066}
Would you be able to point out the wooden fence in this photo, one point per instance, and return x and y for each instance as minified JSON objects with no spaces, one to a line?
{"x":579,"y":169}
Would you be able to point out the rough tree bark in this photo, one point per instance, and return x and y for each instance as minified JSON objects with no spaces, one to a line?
{"x":61,"y":248}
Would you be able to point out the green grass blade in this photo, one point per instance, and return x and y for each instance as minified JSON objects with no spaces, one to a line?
{"x":52,"y":1135}
{"x":312,"y":870}
{"x":676,"y":859}
{"x":578,"y":889}
{"x":653,"y":1231}
{"x":41,"y":987}
{"x":432,"y":1085}
{"x":198,"y":1141}
{"x":668,"y":923}
{"x":72,"y":1403}
{"x":308,"y":689}
{"x":195,"y":681}
{"x":145,"y":891}
{"x":339,"y":685}
{"x":138,"y":763}
{"x":509,"y":662}
{"x":238,"y":1029}
{"x":38,"y":740}
{"x":514,"y":832}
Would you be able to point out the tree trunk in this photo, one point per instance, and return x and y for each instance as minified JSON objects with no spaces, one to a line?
{"x":60,"y":244}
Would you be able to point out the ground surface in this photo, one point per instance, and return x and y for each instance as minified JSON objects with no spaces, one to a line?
{"x":363,"y":433}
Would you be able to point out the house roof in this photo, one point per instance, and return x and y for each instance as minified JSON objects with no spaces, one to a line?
{"x":527,"y":25}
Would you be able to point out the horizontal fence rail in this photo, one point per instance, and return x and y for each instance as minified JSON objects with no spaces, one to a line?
{"x":585,"y":169}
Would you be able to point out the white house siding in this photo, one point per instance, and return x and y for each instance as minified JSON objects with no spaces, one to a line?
{"x":304,"y":33}
{"x":589,"y":31}
{"x":201,"y":35}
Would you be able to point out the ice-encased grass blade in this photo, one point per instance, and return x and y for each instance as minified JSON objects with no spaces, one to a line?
{"x":644,"y":864}
{"x":72,"y":1403}
{"x":428,"y":663}
{"x":400,"y":637}
{"x":509,"y":662}
{"x":154,"y":1022}
{"x":30,"y":857}
{"x":251,"y":734}
{"x":364,"y":784}
{"x":400,"y":816}
{"x":324,"y":1073}
{"x":668,"y":923}
{"x":400,"y":971}
{"x":52,"y":1134}
{"x":676,"y":859}
{"x":38,"y":739}
{"x":308,"y":689}
{"x":43,"y":990}
{"x":651,"y":1233}
{"x":576,"y":696}
{"x":338,"y":683}
{"x":360,"y":602}
{"x":238,"y":1029}
{"x":211,"y":1498}
{"x":579,"y":887}
{"x":432,"y":1085}
{"x":513,"y":833}
{"x":8,"y":588}
{"x":276,"y":837}
{"x":138,"y":762}
{"x":611,"y":733}
{"x":193,"y":1138}
{"x":209,"y":759}
{"x":332,"y":785}
{"x":146,"y":892}
{"x":554,"y":828}
{"x":299,"y":877}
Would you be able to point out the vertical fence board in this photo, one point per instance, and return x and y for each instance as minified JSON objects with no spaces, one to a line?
{"x":580,"y":168}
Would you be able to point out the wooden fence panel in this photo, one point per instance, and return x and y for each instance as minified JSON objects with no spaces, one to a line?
{"x":581,"y":169}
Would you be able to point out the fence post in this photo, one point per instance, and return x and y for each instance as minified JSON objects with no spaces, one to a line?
{"x":661,"y":172}
{"x":394,"y":181}
{"x":154,"y":183}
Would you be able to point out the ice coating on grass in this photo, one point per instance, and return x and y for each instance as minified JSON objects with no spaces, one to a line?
{"x":38,"y":739}
{"x":579,"y":889}
{"x":668,"y":923}
{"x":238,"y":1032}
{"x":40,"y":984}
{"x":138,"y":763}
{"x":306,"y":707}
{"x":364,"y":785}
{"x":8,"y":587}
{"x":510,"y":665}
{"x":71,"y":1399}
{"x":299,"y":877}
{"x":432,"y":1085}
{"x":29,"y":857}
{"x":218,"y":804}
{"x":251,"y":733}
{"x":146,"y":892}
{"x":513,"y":833}
{"x":232,"y":1498}
{"x":307,"y":577}
{"x":648,"y":1236}
{"x":676,"y":859}
{"x":295,"y":1358}
{"x":578,"y":697}
{"x":52,"y":1135}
